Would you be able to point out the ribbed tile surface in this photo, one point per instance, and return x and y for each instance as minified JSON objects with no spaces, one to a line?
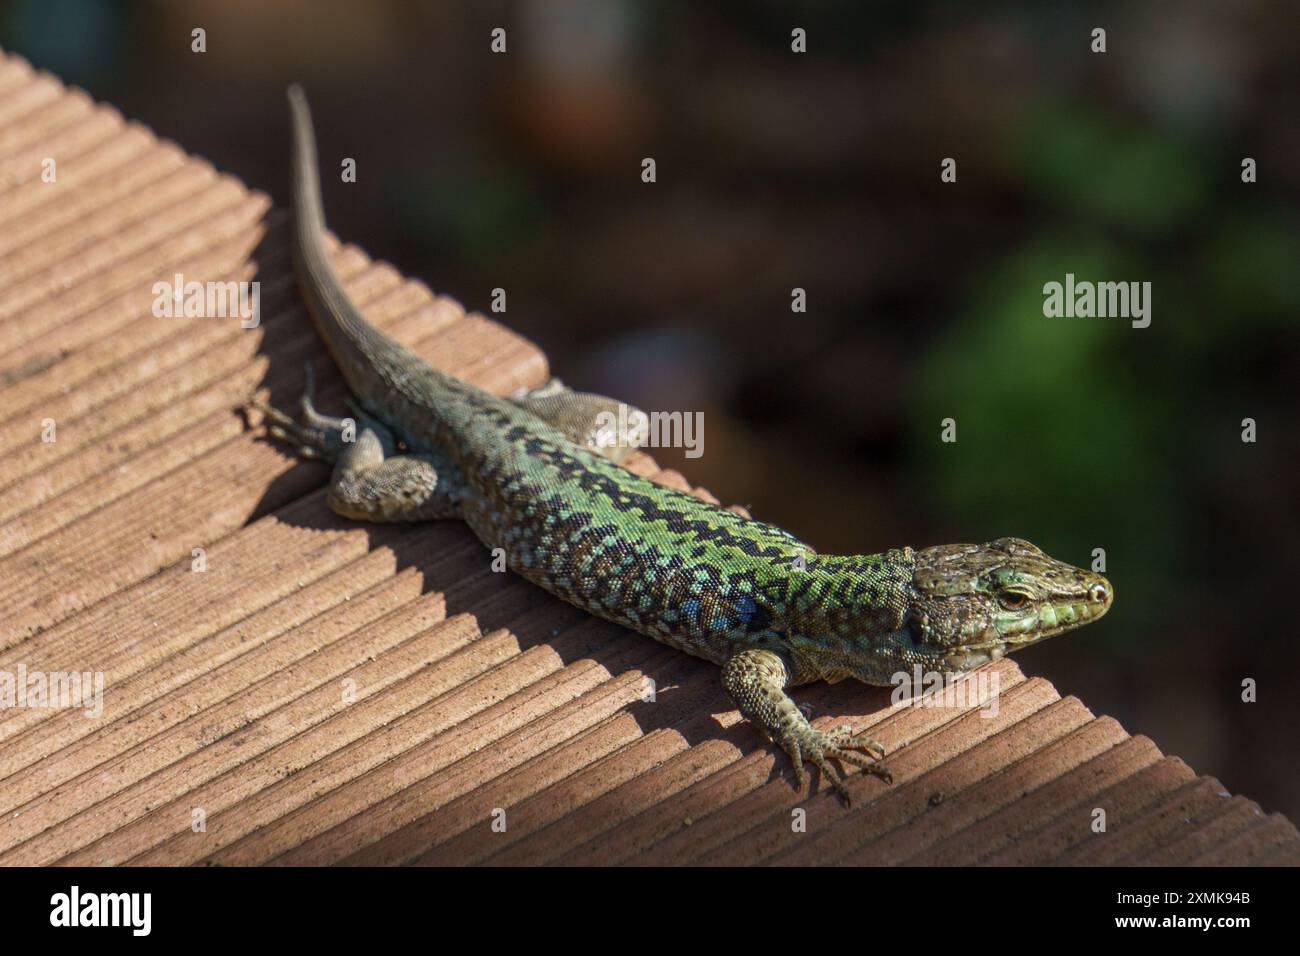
{"x":327,"y":692}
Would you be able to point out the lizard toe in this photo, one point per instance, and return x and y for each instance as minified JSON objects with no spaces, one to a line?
{"x":793,"y":749}
{"x":818,"y":760}
{"x":817,"y":746}
{"x":843,"y":737}
{"x":860,"y":760}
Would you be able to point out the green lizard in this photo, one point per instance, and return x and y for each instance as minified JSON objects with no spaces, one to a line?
{"x":705,"y":580}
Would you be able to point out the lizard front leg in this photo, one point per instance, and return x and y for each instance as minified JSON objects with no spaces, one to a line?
{"x":756,"y":680}
{"x":371,"y":482}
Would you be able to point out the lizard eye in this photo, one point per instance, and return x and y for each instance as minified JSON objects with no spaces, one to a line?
{"x":1013,"y":600}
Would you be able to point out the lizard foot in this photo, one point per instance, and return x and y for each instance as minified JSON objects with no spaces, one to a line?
{"x":311,"y":434}
{"x":755,"y":679}
{"x":808,"y":743}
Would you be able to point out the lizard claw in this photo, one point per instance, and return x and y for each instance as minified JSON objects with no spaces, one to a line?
{"x":816,"y":746}
{"x":311,"y":434}
{"x":843,"y":736}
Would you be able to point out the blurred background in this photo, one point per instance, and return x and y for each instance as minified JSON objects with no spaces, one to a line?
{"x":821,"y":171}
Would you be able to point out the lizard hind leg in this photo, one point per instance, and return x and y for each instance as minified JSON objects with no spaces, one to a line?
{"x":602,"y":424}
{"x":311,"y":434}
{"x":755,"y":679}
{"x":371,"y":482}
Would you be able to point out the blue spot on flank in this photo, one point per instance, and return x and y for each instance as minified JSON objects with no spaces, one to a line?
{"x":691,"y":607}
{"x":753,"y":617}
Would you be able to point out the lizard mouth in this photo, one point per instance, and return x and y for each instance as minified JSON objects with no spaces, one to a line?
{"x":997,"y":638}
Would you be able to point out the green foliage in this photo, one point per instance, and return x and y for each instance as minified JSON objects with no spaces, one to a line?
{"x":1089,"y":164}
{"x":1251,"y":269}
{"x":475,"y":211}
{"x":1060,"y":438}
{"x":1080,"y":433}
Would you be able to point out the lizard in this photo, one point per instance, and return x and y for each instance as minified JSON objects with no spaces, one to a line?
{"x":746,"y":595}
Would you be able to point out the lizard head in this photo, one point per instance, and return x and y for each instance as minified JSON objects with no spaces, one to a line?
{"x":974,"y":603}
{"x":945,"y":609}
